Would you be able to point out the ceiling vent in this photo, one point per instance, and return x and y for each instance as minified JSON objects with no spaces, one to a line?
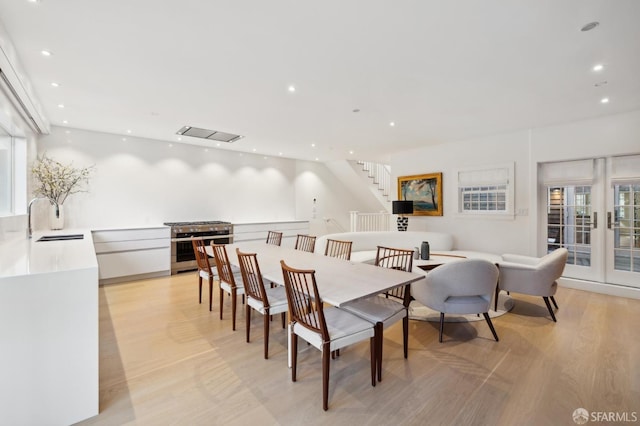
{"x":196,"y":132}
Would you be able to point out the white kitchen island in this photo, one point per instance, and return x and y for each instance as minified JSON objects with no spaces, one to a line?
{"x":48,"y":330}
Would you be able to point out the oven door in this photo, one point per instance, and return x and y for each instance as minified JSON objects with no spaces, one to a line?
{"x":183,"y":257}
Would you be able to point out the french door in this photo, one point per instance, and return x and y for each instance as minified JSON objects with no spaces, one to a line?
{"x":593,"y":210}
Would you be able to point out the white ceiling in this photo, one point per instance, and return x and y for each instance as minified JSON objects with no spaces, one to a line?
{"x":441,"y":70}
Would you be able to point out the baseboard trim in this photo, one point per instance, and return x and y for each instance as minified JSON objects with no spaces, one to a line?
{"x":118,"y":280}
{"x":602,"y":288}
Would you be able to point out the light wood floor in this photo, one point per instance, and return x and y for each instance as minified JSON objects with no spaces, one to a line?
{"x":165,"y":359}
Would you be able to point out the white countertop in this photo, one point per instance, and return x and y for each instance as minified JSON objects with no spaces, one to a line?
{"x":20,"y":256}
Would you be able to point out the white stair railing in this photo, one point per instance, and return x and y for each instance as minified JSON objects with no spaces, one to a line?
{"x":360,"y":222}
{"x":380,"y":174}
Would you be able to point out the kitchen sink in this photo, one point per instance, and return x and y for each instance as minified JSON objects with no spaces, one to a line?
{"x":61,"y":237}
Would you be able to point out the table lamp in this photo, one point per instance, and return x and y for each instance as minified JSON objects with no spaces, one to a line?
{"x":402,"y":207}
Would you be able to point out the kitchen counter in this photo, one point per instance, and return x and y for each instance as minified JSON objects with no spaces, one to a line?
{"x":48,"y":329}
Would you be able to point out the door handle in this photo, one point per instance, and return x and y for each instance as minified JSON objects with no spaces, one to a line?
{"x":609,"y":223}
{"x":595,"y":221}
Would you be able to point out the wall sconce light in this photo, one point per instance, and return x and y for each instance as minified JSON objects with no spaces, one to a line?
{"x":402,"y":207}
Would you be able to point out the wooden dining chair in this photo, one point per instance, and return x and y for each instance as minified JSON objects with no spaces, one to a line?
{"x":386,"y":309}
{"x":339,"y":249}
{"x":205,"y":270}
{"x":274,"y":237}
{"x":266,"y":301}
{"x":327,"y":329}
{"x":305,"y":243}
{"x":230,"y":281}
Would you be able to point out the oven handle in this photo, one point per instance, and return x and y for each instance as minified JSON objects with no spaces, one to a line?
{"x":208,"y":237}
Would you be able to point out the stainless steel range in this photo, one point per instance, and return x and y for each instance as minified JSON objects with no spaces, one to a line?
{"x":182,"y":256}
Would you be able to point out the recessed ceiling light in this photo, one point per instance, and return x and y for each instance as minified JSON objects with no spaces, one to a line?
{"x":65,"y":122}
{"x":604,"y":100}
{"x":129,"y":131}
{"x":279,"y":153}
{"x":351,"y":152}
{"x":179,"y":139}
{"x":218,"y":144}
{"x":317,"y":159}
{"x":392,"y":124}
{"x":60,"y":105}
{"x":313,"y":145}
{"x":590,"y":26}
{"x":598,"y":67}
{"x":292,"y":89}
{"x":254,"y":150}
{"x":54,"y":84}
{"x":67,"y":131}
{"x":170,"y":145}
{"x":45,"y":53}
{"x":124,"y":139}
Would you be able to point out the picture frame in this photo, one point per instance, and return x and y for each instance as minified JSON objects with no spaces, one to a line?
{"x":424,"y":190}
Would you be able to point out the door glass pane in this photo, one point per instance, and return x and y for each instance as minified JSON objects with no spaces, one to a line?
{"x":569,"y":222}
{"x":626,"y":227}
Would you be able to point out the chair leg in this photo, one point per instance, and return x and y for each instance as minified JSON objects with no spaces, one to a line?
{"x":234,"y":297}
{"x":441,"y":325}
{"x":266,"y":333}
{"x":554,"y":302}
{"x":294,"y":355}
{"x":372,"y":349}
{"x":200,"y":289}
{"x":546,"y":301}
{"x":284,"y":319}
{"x":495,"y":301}
{"x":221,"y":301}
{"x":210,"y":292}
{"x":325,"y":376}
{"x":379,"y":336}
{"x":247,"y":318}
{"x":405,"y":335}
{"x":493,"y":330}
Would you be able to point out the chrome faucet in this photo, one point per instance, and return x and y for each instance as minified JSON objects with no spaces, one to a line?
{"x":29,"y":230}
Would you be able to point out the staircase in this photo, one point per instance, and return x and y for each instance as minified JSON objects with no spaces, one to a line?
{"x":380,"y":176}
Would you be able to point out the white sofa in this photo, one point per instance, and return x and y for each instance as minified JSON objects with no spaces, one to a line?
{"x":365,"y":244}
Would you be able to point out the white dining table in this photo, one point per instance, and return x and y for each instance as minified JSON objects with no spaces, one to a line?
{"x":339,"y":281}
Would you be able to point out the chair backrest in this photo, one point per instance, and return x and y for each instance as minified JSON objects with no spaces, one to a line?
{"x":553,"y":263}
{"x":274,"y":238}
{"x":251,"y":277}
{"x":339,"y":249}
{"x":305,"y":305}
{"x":467,"y":277}
{"x":305,"y":243}
{"x":222,"y":263}
{"x":202,"y":259}
{"x":400,"y":259}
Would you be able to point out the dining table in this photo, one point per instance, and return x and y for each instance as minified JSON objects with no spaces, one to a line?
{"x":339,"y":281}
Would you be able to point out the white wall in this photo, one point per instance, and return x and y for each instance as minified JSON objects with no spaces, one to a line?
{"x":140,"y":182}
{"x":613,"y":135}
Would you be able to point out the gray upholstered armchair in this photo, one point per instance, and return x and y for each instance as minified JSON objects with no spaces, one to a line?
{"x":461,"y":287}
{"x":532,"y":275}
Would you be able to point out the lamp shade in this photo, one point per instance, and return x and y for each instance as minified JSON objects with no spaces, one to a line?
{"x":402,"y":207}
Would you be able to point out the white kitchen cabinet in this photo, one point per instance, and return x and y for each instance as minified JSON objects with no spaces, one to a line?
{"x":258,"y":230}
{"x":135,"y":253}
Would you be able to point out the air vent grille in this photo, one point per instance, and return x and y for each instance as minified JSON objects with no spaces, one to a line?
{"x":214,"y":135}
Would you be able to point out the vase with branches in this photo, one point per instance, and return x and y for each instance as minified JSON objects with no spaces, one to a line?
{"x":56,"y":181}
